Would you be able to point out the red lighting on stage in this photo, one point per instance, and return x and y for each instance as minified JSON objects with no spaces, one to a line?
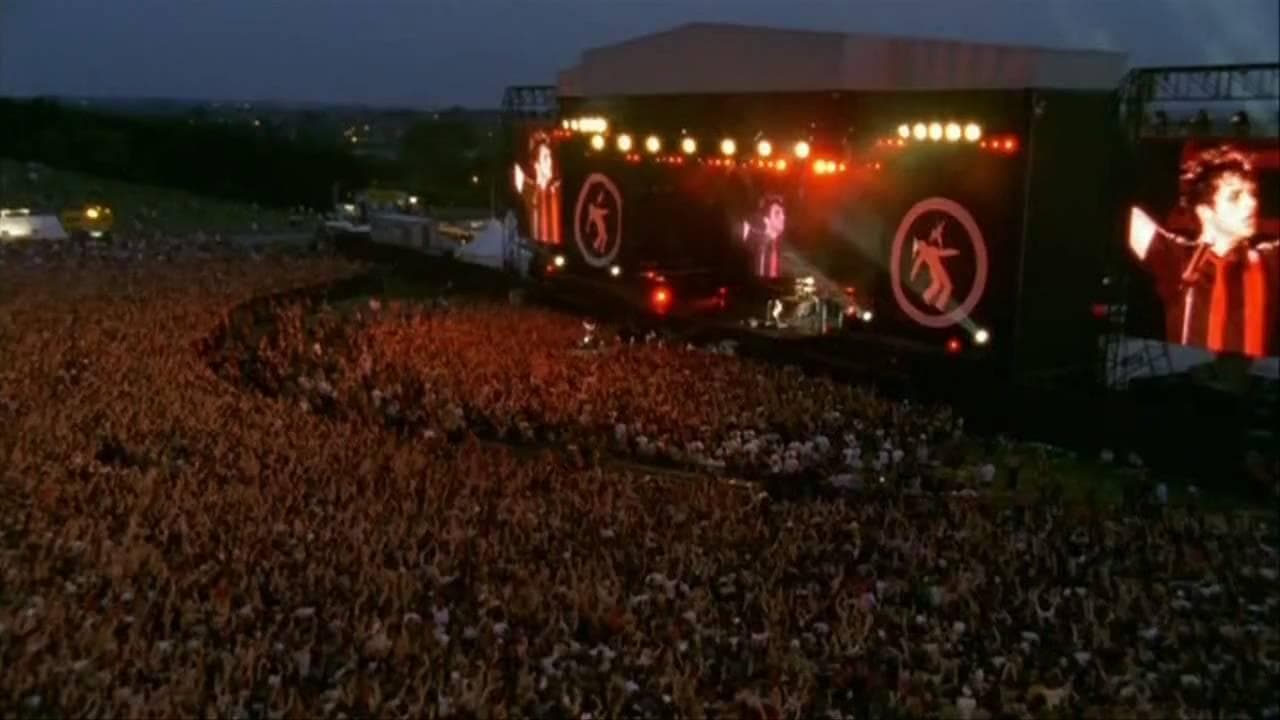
{"x":827,"y":167}
{"x":953,"y":346}
{"x":660,"y":300}
{"x":1006,"y":144}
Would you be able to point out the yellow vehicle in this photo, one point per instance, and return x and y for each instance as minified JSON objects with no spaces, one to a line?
{"x":92,"y":220}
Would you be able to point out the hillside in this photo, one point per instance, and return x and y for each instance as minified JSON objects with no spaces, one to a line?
{"x":139,"y":209}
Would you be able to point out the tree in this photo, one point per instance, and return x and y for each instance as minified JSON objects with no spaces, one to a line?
{"x":440,"y":157}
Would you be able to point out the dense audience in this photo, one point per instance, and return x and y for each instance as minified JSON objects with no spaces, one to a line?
{"x":530,"y":376}
{"x":306,"y":516}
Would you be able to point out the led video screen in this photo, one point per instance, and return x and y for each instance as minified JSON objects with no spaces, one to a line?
{"x":924,"y":242}
{"x":1201,"y":240}
{"x":536,"y":184}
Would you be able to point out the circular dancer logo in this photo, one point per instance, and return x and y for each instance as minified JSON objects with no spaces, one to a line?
{"x":597,"y":220}
{"x":938,"y":247}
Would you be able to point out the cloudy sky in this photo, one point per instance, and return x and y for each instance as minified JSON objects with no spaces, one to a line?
{"x":433,"y":52}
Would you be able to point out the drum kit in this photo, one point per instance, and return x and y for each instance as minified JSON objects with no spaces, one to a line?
{"x":803,"y":310}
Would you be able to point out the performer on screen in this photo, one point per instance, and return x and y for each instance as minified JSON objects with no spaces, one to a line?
{"x":542,"y":194}
{"x":1220,"y":289}
{"x":765,"y":236}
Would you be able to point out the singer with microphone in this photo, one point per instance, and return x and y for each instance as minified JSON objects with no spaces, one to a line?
{"x":1220,"y":290}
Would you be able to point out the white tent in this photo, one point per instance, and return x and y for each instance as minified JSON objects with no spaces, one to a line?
{"x":488,"y":248}
{"x":21,"y":226}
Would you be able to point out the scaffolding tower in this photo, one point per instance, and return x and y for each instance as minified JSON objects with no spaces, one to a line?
{"x":529,"y":102}
{"x":1147,"y":92}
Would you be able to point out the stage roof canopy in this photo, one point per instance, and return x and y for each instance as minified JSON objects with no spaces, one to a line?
{"x":706,"y":58}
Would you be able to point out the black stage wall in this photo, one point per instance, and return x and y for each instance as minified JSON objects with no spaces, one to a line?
{"x":1072,"y":217}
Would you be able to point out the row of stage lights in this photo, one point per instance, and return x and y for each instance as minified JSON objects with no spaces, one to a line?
{"x":920,"y":131}
{"x":689,"y":146}
{"x":597,"y":125}
{"x":1007,"y":144}
{"x":820,"y":167}
{"x":765,"y":154}
{"x":951,"y":132}
{"x":936,"y":131}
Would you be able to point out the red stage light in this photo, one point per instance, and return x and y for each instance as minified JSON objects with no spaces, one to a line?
{"x":660,"y":300}
{"x":953,"y":346}
{"x":825,"y":167}
{"x":1010,"y":144}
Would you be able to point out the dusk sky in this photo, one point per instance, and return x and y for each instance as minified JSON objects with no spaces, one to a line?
{"x":437,"y":52}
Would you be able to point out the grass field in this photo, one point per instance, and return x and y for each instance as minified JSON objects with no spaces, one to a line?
{"x":138,"y":209}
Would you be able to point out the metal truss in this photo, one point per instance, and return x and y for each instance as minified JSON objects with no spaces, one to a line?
{"x":529,"y":101}
{"x":1204,"y":86}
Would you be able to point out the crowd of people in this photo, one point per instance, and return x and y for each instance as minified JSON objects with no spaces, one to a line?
{"x":530,"y":376}
{"x":310,"y":517}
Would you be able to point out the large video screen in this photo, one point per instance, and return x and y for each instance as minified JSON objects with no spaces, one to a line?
{"x":536,"y":184}
{"x":1201,"y":237}
{"x":924,"y":241}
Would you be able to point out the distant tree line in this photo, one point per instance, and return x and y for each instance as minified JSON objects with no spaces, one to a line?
{"x":446,"y":158}
{"x":237,"y":163}
{"x":450,"y":159}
